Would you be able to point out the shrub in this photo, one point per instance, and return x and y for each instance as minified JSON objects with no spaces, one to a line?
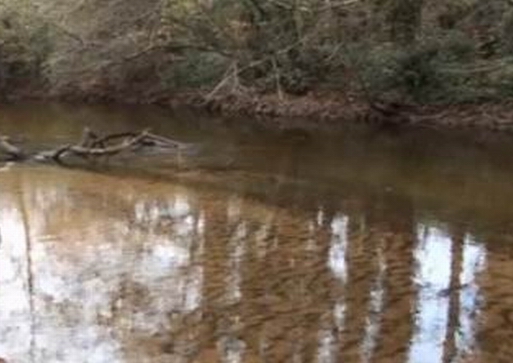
{"x":196,"y":69}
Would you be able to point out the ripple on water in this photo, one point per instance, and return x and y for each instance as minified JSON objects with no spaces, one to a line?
{"x":144,"y":271}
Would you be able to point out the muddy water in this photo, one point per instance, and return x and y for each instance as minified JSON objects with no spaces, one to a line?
{"x":262,"y":246}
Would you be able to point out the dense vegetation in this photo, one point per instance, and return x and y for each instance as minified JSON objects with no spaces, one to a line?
{"x":411,"y":50}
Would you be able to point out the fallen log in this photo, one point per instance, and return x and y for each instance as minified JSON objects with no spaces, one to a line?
{"x":107,"y":150}
{"x":92,"y":145}
{"x":13,"y":152}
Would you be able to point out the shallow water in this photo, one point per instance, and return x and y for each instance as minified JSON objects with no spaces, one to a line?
{"x":263,"y":246}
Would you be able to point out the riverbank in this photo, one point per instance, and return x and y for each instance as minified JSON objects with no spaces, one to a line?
{"x":313,"y":110}
{"x":335,"y":109}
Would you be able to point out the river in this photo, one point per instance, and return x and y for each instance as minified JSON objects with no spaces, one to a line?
{"x":263,"y":245}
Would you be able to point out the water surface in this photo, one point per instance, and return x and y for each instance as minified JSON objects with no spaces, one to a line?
{"x":263,"y":246}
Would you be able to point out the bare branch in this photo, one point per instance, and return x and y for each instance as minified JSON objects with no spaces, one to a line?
{"x":91,"y":146}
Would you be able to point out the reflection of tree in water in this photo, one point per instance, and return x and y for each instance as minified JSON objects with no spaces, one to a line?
{"x":495,"y":330}
{"x":392,"y":220}
{"x":183,"y":276}
{"x":16,"y":286}
{"x":30,"y":272}
{"x":359,"y":273}
{"x":453,"y":312}
{"x":77,"y":276}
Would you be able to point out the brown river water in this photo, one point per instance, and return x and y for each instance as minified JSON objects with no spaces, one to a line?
{"x":262,"y":245}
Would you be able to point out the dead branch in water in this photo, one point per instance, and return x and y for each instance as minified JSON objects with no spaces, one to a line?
{"x":92,"y":145}
{"x":12,"y":151}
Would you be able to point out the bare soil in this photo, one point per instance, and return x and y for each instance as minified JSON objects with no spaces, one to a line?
{"x":321,"y":108}
{"x":332,"y":109}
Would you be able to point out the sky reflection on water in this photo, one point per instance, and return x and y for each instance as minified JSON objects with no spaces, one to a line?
{"x":142,"y":271}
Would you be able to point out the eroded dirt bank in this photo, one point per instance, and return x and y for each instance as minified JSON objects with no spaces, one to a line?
{"x":331,"y":110}
{"x":315,"y":109}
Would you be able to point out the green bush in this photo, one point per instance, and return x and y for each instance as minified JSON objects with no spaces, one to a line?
{"x":23,"y":51}
{"x":419,"y":72}
{"x":196,"y":69}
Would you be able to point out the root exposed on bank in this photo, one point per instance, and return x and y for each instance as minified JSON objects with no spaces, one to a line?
{"x":92,"y":146}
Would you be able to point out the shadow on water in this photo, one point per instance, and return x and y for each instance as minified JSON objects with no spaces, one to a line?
{"x":354,"y":247}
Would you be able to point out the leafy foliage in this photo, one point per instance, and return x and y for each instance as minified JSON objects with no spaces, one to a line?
{"x":22,"y":51}
{"x":444,"y":51}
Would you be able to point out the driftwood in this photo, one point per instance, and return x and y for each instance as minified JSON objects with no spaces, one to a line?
{"x":92,"y":145}
{"x":10,"y":149}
